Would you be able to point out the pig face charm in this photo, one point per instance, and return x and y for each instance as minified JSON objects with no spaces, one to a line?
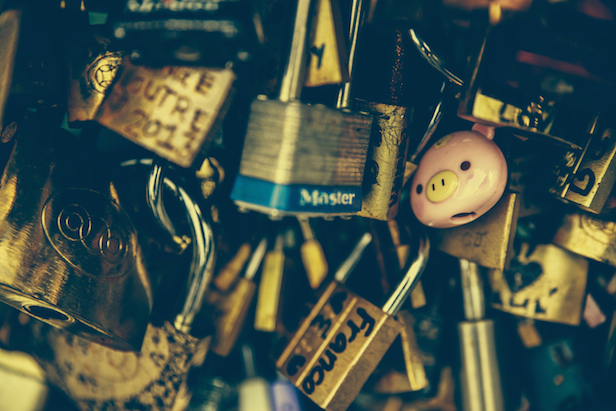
{"x":459,"y":179}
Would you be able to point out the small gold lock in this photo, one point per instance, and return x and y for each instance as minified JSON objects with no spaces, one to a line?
{"x":586,"y":178}
{"x":548,"y":284}
{"x":230,"y":309}
{"x":588,"y":236}
{"x":270,"y":288}
{"x":326,"y":358}
{"x":487,"y":241}
{"x":313,"y":256}
{"x":172,"y":111}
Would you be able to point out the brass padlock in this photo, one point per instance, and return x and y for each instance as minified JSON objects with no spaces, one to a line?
{"x":328,"y":55}
{"x":69,"y":254}
{"x":229,"y":309}
{"x":586,"y":178}
{"x":93,"y":65}
{"x":386,"y":101}
{"x":588,"y":236}
{"x":173,"y":111}
{"x":153,"y":378}
{"x":267,"y":312}
{"x":487,"y":241}
{"x":542,"y":76}
{"x":313,"y":256}
{"x":548,"y":284}
{"x":327,"y":357}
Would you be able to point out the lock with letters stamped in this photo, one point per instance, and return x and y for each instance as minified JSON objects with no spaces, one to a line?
{"x":301,"y":159}
{"x":173,"y":111}
{"x":327,"y":358}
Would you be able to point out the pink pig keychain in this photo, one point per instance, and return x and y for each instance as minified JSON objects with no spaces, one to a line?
{"x":459,"y":178}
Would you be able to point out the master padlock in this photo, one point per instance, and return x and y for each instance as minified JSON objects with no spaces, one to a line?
{"x":69,"y":254}
{"x":344,"y":338}
{"x":155,"y":377}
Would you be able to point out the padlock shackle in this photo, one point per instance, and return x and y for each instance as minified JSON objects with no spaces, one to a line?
{"x":255,"y":260}
{"x":358,"y":12}
{"x":154,"y":196}
{"x":432,"y":59}
{"x":434,"y":122}
{"x":293,"y":76}
{"x":348,"y":265}
{"x":410,"y":279}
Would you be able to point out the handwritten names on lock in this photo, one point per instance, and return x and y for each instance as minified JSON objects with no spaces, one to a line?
{"x":330,"y":342}
{"x":90,"y":232}
{"x":171,"y":111}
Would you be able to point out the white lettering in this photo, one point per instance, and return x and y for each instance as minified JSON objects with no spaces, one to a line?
{"x":317,"y":198}
{"x":345,"y":199}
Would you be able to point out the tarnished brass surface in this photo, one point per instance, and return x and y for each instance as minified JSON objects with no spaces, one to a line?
{"x":588,"y":236}
{"x":229,"y":314}
{"x":328,"y":56}
{"x":92,"y":69}
{"x":68,"y":253}
{"x":270,"y":287}
{"x":591,"y":180}
{"x":337,"y":347}
{"x":172,"y":111}
{"x":386,"y":163}
{"x":547,"y":285}
{"x":487,"y":241}
{"x":10,"y":22}
{"x":99,"y":378}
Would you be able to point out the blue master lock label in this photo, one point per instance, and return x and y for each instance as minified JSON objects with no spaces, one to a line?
{"x":300,"y":198}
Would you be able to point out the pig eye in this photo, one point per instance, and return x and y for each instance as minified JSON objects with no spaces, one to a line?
{"x":419,"y":188}
{"x":465,"y":165}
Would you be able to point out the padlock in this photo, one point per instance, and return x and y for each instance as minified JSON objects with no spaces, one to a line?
{"x":460,"y":178}
{"x":313,"y":256}
{"x":328,"y":55}
{"x":172,"y":111}
{"x":153,"y":378}
{"x":586,"y":178}
{"x":487,"y":241}
{"x":228,"y":275}
{"x":229,"y":309}
{"x":254,"y":391}
{"x":328,"y":365}
{"x":93,"y":64}
{"x":189,"y":32}
{"x":69,"y":253}
{"x":270,"y":288}
{"x":543,"y":74}
{"x":548,"y":284}
{"x":387,"y":101}
{"x":301,"y":159}
{"x":480,"y":376}
{"x":588,"y":236}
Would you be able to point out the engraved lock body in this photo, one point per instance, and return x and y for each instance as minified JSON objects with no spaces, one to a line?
{"x":384,"y":94}
{"x":173,"y":111}
{"x":586,"y":177}
{"x":181,"y":32}
{"x":69,"y":254}
{"x":540,"y":76}
{"x":327,"y":357}
{"x":299,"y":158}
{"x":155,"y":377}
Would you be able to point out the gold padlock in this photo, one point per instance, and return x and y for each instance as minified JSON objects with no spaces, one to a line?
{"x":588,"y":236}
{"x":487,"y":241}
{"x":548,"y":284}
{"x":586,"y":178}
{"x":93,"y":66}
{"x":172,"y":111}
{"x":69,"y":254}
{"x":327,"y":357}
{"x":229,"y":309}
{"x":268,"y":299}
{"x":313,"y":256}
{"x":155,"y":377}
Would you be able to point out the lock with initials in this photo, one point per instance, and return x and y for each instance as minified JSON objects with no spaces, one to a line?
{"x":327,"y":357}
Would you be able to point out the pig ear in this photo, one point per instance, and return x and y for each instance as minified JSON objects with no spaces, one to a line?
{"x":485,"y":130}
